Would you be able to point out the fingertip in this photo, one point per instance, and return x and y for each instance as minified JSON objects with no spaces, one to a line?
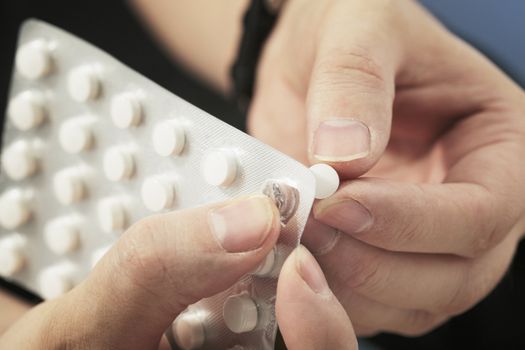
{"x":310,"y":272}
{"x":308,"y":314}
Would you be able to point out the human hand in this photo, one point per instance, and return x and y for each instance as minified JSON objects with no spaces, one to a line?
{"x":166,"y":262}
{"x":379,"y":87}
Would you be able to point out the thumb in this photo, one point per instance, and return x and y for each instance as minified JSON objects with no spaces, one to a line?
{"x":351,"y":92}
{"x":309,"y":315}
{"x":166,"y":262}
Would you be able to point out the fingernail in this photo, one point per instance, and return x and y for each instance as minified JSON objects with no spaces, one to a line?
{"x":341,"y":140}
{"x":242,"y":225}
{"x":310,"y":271}
{"x":319,"y":238}
{"x":348,"y":216}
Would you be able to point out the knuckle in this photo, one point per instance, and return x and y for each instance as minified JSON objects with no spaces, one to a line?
{"x":409,"y":230}
{"x":486,"y":233}
{"x":365,"y":331}
{"x":419,"y":323}
{"x":350,"y":67}
{"x":412,"y":228}
{"x":138,"y":255}
{"x":141,"y":259}
{"x":464,"y":295}
{"x":364,"y":275}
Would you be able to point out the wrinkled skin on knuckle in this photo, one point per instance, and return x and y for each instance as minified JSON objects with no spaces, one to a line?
{"x":155,"y":265}
{"x":487,"y":233}
{"x":138,"y":253}
{"x":362,"y":275}
{"x":346,"y":67}
{"x":465,"y":295}
{"x":419,"y":323}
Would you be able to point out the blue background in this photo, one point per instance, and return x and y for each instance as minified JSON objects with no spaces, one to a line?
{"x":497,"y":27}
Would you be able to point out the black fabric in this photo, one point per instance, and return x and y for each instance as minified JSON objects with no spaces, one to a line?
{"x":258,"y":22}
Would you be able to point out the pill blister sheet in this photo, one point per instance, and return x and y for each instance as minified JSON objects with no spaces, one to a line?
{"x":87,"y":160}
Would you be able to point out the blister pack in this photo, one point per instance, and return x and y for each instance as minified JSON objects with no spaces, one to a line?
{"x":90,"y":146}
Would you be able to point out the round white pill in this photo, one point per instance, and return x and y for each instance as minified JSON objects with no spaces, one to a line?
{"x":14,"y":209}
{"x":219,"y":168}
{"x":19,"y":160}
{"x":157,"y":193}
{"x":126,"y":110}
{"x":33,"y":60}
{"x":169,"y":138}
{"x":111,"y":215}
{"x":266,"y":268}
{"x":68,"y":186}
{"x":56,"y":280}
{"x":12,"y":257}
{"x":26,"y":110}
{"x":62,"y":236}
{"x":75,"y":136}
{"x":240,"y":313}
{"x":119,"y":164}
{"x":83,"y":83}
{"x":326,"y":180}
{"x":188,"y":331}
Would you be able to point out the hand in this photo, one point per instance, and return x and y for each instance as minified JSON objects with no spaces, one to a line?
{"x":379,"y":87}
{"x":166,"y":262}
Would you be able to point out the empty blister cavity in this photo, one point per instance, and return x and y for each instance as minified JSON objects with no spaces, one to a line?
{"x":111,"y":215}
{"x":240,"y":313}
{"x":157,"y":193}
{"x":272,"y":263}
{"x":33,"y":59}
{"x":12,"y":254}
{"x":168,"y":138}
{"x":284,"y":195}
{"x":83,"y":83}
{"x":126,"y":110}
{"x":62,"y":235}
{"x":27,"y":110}
{"x":75,"y":135}
{"x":57,"y":280}
{"x":326,"y":180}
{"x":69,"y":186}
{"x":189,"y":329}
{"x":19,"y":160}
{"x":267,"y":266}
{"x":14,"y":209}
{"x":119,"y":164}
{"x":219,"y":167}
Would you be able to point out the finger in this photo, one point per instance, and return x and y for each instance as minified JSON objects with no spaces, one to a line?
{"x":351,"y":91}
{"x":454,"y":218}
{"x":370,"y":316}
{"x":273,"y":101}
{"x":439,"y":284}
{"x":309,"y":315}
{"x":166,"y":262}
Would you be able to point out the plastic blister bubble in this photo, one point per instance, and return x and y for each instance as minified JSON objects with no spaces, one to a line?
{"x":90,"y":147}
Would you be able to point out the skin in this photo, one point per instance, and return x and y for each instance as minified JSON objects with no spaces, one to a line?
{"x":166,"y":262}
{"x":442,"y":178}
{"x":442,"y":181}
